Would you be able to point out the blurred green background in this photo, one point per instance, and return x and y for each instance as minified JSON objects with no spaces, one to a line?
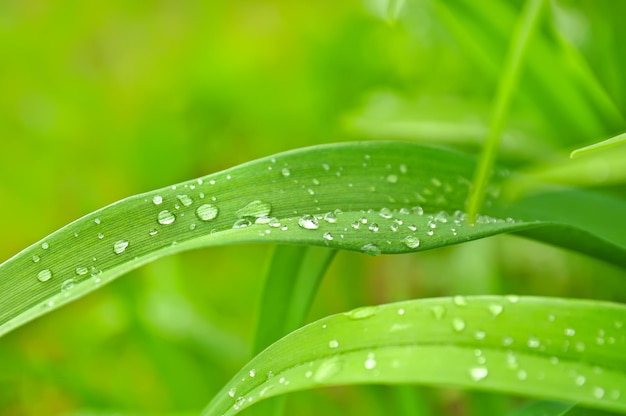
{"x":102,"y":100}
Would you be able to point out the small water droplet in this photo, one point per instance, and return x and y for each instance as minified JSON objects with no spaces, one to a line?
{"x":385,"y":213}
{"x":67,"y":285}
{"x":598,"y":392}
{"x":285,"y":172}
{"x":411,"y":241}
{"x":333,"y":343}
{"x":512,"y":298}
{"x":362,"y":313}
{"x":401,"y":311}
{"x":100,"y":236}
{"x":373,"y":227}
{"x":274,"y":222}
{"x":370,"y":362}
{"x":522,"y":375}
{"x":330,"y":217}
{"x":392,"y":178}
{"x":81,"y":271}
{"x":458,"y":324}
{"x":44,"y":275}
{"x":252,"y":373}
{"x":36,"y":259}
{"x":478,"y":373}
{"x":184,"y":199}
{"x":255,"y":209}
{"x":308,"y":222}
{"x":371,"y":249}
{"x":242,"y":223}
{"x":570,"y":332}
{"x":45,"y":246}
{"x":533,"y":342}
{"x":120,"y":246}
{"x":157,"y":200}
{"x":580,"y":380}
{"x":232,"y":392}
{"x":495,"y":309}
{"x":438,"y":311}
{"x":97,"y":221}
{"x":165,"y":217}
{"x":239,"y":402}
{"x":480,"y":335}
{"x":459,"y":300}
{"x":153,"y":231}
{"x":327,"y":369}
{"x":207,"y":212}
{"x":412,"y":227}
{"x":327,"y":236}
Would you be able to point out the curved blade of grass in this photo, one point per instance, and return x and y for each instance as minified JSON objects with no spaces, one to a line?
{"x":372,"y":197}
{"x":571,"y":350}
{"x":603,"y":145}
{"x":544,"y":408}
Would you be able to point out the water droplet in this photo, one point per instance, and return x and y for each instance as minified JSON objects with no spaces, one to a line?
{"x":385,"y":213}
{"x":285,"y":172}
{"x":370,"y":362}
{"x":120,"y":246}
{"x":330,"y":217}
{"x":580,"y":380}
{"x":100,"y":236}
{"x":67,"y":285}
{"x":36,"y":259}
{"x":269,"y":375}
{"x":97,"y":221}
{"x":45,"y":246}
{"x":327,"y":369}
{"x":308,"y":222}
{"x":373,"y":227}
{"x":480,"y":335}
{"x":495,"y":309}
{"x":256,"y":209}
{"x":239,"y":402}
{"x":411,"y":241}
{"x":207,"y":212}
{"x":598,"y":392}
{"x":458,"y":324}
{"x":157,"y":200}
{"x":512,"y":298}
{"x":232,"y":392}
{"x":44,"y":275}
{"x":242,"y":223}
{"x":355,"y":225}
{"x":333,"y":343}
{"x":252,"y":373}
{"x":362,"y":313}
{"x":184,"y":199}
{"x":327,"y":236}
{"x":391,"y":178}
{"x":165,"y":217}
{"x":478,"y":373}
{"x":153,"y":231}
{"x":371,"y":249}
{"x":401,"y":311}
{"x":570,"y":332}
{"x":522,"y":375}
{"x":533,"y":342}
{"x":81,"y":271}
{"x":459,"y":301}
{"x":412,"y":227}
{"x":274,"y":222}
{"x":438,"y":311}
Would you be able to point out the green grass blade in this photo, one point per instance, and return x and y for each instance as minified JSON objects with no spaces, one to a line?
{"x":603,"y":145}
{"x":570,"y":350}
{"x":504,"y":93}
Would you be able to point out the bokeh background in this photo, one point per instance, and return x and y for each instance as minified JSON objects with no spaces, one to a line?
{"x":103,"y":100}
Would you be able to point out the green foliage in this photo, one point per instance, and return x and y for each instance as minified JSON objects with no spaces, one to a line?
{"x":104,"y":102}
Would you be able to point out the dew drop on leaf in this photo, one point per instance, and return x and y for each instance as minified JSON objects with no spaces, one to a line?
{"x":438,"y":311}
{"x":495,"y":309}
{"x":207,"y":212}
{"x":362,"y":313}
{"x":411,"y":241}
{"x":184,"y":199}
{"x":370,"y":362}
{"x":81,"y":271}
{"x":44,"y":275}
{"x":598,"y":392}
{"x":157,"y":200}
{"x":308,"y":222}
{"x":327,"y":369}
{"x":242,"y":223}
{"x":36,"y":259}
{"x":67,"y":285}
{"x":458,"y":324}
{"x":165,"y":217}
{"x":478,"y":373}
{"x":255,"y":209}
{"x":391,"y":178}
{"x":330,"y":217}
{"x":45,"y":246}
{"x":232,"y":392}
{"x":371,"y":249}
{"x":327,"y":236}
{"x":333,"y":343}
{"x":373,"y":227}
{"x":120,"y":246}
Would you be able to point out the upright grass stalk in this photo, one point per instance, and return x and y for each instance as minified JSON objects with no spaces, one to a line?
{"x":506,"y":86}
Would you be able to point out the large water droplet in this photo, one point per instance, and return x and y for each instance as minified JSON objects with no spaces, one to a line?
{"x":478,"y":373}
{"x":371,"y":249}
{"x":255,"y":209}
{"x":44,"y":275}
{"x":207,"y":212}
{"x":308,"y":222}
{"x":120,"y":246}
{"x":165,"y":217}
{"x":184,"y":199}
{"x":411,"y":241}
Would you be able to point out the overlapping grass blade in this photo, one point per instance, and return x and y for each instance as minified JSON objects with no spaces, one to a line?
{"x":570,"y":350}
